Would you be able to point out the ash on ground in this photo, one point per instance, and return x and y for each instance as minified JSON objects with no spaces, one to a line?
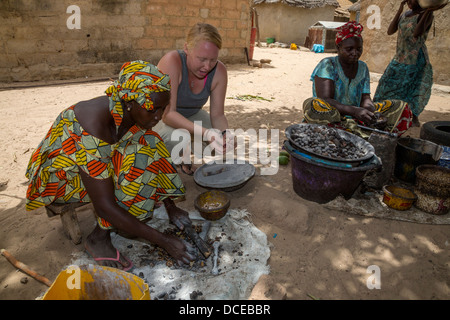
{"x":242,"y":258}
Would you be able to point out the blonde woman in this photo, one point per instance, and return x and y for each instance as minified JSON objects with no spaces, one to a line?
{"x":196,"y":75}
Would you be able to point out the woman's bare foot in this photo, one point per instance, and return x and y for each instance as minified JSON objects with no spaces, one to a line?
{"x":187,"y":169}
{"x":415,"y":121}
{"x":98,"y":245}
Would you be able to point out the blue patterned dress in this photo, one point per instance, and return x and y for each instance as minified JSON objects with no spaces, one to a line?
{"x":409,"y":76}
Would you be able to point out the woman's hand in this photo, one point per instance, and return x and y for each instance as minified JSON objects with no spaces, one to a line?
{"x":177,"y":216}
{"x":216,"y":140}
{"x":364,"y":115}
{"x":229,"y":141}
{"x":182,"y":251}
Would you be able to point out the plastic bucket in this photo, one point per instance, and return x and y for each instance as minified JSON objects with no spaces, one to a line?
{"x":433,"y":189}
{"x":411,"y":153}
{"x":270,"y":40}
{"x":93,"y":282}
{"x":319,"y":181}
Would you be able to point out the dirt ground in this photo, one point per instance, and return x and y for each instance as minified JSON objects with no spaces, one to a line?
{"x":316,"y":253}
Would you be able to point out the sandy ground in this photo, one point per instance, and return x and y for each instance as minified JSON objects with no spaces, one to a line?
{"x":315,"y":252}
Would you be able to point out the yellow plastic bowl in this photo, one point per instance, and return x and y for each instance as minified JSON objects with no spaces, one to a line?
{"x":94,"y":282}
{"x":398,"y":198}
{"x":212,"y":205}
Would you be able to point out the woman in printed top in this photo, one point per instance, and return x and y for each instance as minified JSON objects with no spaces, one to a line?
{"x":197,"y":75}
{"x":409,"y":75}
{"x":341,"y":91}
{"x":103,"y":151}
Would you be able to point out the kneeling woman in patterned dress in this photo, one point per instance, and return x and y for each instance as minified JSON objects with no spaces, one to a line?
{"x":104,"y":151}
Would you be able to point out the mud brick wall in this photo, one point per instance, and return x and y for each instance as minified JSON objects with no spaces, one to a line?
{"x":36,"y":42}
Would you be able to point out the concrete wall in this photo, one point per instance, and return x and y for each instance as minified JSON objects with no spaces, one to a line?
{"x":379,"y":48}
{"x":36,"y":43}
{"x":289,"y":24}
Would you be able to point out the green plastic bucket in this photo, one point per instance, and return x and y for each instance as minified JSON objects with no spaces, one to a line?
{"x":270,"y":40}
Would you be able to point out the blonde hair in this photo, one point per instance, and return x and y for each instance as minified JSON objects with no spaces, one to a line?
{"x":203,"y":32}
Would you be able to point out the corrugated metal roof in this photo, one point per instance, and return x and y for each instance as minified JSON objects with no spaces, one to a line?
{"x":329,"y":24}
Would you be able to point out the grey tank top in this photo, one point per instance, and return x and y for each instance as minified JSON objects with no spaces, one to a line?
{"x":189,"y":103}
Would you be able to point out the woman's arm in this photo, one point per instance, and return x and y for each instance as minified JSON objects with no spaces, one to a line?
{"x":325,"y":91}
{"x":217,"y":105}
{"x":217,"y":98}
{"x":102,"y":196}
{"x":393,"y":26}
{"x":424,"y":24}
{"x":367,"y":103}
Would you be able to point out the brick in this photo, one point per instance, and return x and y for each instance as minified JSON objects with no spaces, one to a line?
{"x":204,"y":13}
{"x":146,"y":43}
{"x":136,"y":32}
{"x":21,"y":46}
{"x":175,"y":33}
{"x":229,"y":4}
{"x":228,"y":24}
{"x":159,"y":21}
{"x":232,"y":14}
{"x":156,"y":31}
{"x":212,"y":3}
{"x":8,"y":60}
{"x":232,"y":34}
{"x":182,"y":22}
{"x":165,"y":43}
{"x":191,"y":11}
{"x":61,"y":59}
{"x":227,"y":42}
{"x":154,"y":9}
{"x":31,"y":59}
{"x":217,"y":13}
{"x":74,"y":45}
{"x":240,"y":43}
{"x":5,"y":75}
{"x":197,"y":3}
{"x":173,"y":10}
{"x":49,"y":46}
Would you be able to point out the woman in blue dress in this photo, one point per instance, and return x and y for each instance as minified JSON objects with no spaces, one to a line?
{"x":341,"y":91}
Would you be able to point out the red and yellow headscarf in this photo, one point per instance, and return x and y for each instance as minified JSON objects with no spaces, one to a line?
{"x":349,"y":30}
{"x":137,"y":80}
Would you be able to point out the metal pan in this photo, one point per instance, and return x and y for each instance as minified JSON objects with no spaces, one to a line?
{"x":366,"y":147}
{"x":226,"y":177}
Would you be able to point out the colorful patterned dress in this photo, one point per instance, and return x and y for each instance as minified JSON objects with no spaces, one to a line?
{"x":349,"y":92}
{"x":409,"y":76}
{"x":139,"y":164}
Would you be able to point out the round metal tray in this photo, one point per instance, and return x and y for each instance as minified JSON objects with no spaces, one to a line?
{"x":366,"y":147}
{"x":225,"y":177}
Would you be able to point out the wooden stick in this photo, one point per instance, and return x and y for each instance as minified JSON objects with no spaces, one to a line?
{"x":19,"y":265}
